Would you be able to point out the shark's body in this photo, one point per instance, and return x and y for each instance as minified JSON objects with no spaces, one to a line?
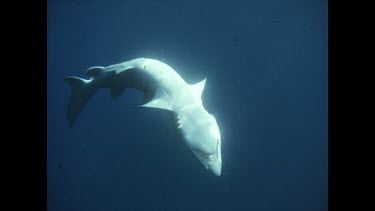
{"x":164,"y":89}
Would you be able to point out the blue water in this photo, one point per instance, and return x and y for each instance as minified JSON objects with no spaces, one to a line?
{"x":266,"y":63}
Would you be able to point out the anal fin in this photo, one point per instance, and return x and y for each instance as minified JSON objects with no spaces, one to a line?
{"x":116,"y":90}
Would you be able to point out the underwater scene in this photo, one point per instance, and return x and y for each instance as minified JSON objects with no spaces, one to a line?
{"x":187,"y":105}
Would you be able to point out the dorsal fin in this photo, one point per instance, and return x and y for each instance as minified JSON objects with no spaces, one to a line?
{"x":197,"y":88}
{"x":94,"y":71}
{"x":160,"y":100}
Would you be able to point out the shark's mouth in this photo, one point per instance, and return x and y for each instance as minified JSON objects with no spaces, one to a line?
{"x":211,"y":157}
{"x":203,"y":154}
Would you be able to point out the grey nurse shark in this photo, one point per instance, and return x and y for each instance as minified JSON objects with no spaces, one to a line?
{"x":164,"y":89}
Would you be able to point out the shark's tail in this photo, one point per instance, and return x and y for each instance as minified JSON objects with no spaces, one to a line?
{"x":81,"y":92}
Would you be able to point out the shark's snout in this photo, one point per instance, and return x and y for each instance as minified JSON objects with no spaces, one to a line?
{"x":215,"y":164}
{"x":216,"y":169}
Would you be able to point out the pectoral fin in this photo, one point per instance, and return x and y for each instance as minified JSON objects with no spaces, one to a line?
{"x":197,"y":88}
{"x":160,"y":100}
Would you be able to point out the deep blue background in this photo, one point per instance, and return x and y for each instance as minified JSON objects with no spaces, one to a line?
{"x":266,"y":63}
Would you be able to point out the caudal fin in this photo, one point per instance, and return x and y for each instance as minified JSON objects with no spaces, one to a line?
{"x":81,"y":92}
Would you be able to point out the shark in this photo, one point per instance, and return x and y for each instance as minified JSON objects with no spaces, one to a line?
{"x":164,"y":89}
